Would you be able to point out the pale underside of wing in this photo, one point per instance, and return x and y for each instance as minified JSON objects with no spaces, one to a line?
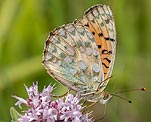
{"x":81,"y":55}
{"x":100,"y":21}
{"x":72,"y":57}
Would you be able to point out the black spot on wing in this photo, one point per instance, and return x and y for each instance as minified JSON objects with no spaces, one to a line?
{"x":100,"y":34}
{"x":106,"y":52}
{"x":87,"y":24}
{"x":93,"y":33}
{"x":99,"y":46}
{"x":108,"y":60}
{"x":105,"y":65}
{"x":109,"y":39}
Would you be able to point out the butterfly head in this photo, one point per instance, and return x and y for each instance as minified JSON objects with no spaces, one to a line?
{"x":105,"y":97}
{"x":102,"y":97}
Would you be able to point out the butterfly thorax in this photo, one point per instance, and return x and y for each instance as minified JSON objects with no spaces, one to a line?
{"x":101,"y":96}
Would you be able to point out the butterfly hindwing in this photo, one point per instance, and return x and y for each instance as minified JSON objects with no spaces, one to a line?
{"x":71,"y":56}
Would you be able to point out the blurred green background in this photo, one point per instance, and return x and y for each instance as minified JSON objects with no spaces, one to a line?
{"x":25,"y":25}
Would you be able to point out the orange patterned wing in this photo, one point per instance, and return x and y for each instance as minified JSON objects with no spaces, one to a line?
{"x":100,"y":21}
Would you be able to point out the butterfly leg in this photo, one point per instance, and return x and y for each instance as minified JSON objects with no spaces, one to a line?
{"x":89,"y":106}
{"x":103,"y":82}
{"x":59,"y":96}
{"x":103,"y":115}
{"x":84,"y":102}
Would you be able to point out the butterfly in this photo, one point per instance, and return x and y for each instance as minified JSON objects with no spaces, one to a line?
{"x":80,"y":55}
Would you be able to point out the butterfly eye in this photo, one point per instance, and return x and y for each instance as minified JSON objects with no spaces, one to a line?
{"x":106,"y":96}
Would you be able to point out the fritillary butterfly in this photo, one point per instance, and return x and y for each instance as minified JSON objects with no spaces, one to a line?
{"x":80,"y":55}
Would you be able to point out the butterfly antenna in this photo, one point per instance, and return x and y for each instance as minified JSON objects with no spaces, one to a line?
{"x":131,"y":90}
{"x":122,"y":98}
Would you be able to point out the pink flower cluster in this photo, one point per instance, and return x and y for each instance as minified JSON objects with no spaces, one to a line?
{"x":41,"y":108}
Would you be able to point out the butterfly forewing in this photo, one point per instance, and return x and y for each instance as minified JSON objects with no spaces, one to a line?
{"x":99,"y":20}
{"x":80,"y":55}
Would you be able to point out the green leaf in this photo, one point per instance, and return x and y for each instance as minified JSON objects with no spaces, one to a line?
{"x":14,"y":114}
